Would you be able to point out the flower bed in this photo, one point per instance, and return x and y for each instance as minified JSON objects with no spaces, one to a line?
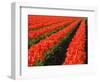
{"x":36,"y":51}
{"x":76,"y":53}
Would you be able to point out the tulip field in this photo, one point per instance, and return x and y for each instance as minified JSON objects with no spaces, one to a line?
{"x":57,"y":40}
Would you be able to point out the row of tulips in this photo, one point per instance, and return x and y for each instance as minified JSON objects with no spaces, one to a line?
{"x":35,"y":22}
{"x":36,"y":33}
{"x":36,"y":51}
{"x":34,"y":19}
{"x":76,"y":53}
{"x":47,"y":34}
{"x":42,"y":24}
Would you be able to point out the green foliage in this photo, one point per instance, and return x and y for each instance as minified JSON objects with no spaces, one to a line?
{"x":39,"y":63}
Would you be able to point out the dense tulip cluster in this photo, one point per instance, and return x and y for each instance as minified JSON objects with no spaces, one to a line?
{"x":43,"y":21}
{"x":36,"y":33}
{"x":36,"y":51}
{"x":57,"y":40}
{"x":76,"y":53}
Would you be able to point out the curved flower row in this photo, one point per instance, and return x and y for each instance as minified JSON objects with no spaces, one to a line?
{"x":36,"y":52}
{"x":76,"y":51}
{"x":37,"y":33}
